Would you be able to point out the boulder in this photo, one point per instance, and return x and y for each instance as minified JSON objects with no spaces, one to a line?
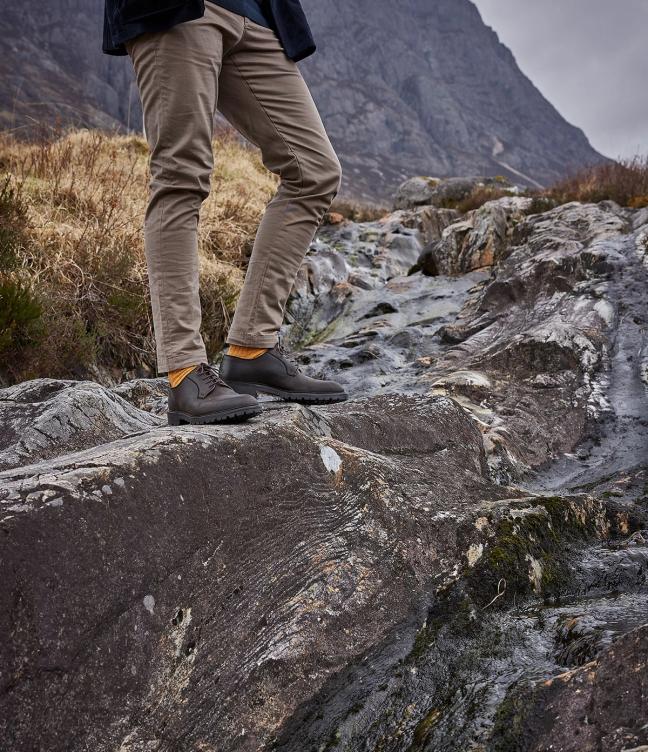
{"x":149,"y":578}
{"x":443,"y":192}
{"x":481,"y":239}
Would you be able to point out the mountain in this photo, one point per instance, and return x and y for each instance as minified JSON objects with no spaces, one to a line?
{"x":428,"y":89}
{"x":431,"y":89}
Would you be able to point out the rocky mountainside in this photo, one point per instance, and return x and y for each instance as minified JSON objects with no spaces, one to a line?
{"x":428,"y":89}
{"x":52,"y":68}
{"x":456,"y":558}
{"x":425,"y":87}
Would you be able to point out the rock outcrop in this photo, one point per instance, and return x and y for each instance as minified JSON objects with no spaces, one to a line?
{"x":479,"y":239}
{"x":436,"y":564}
{"x":52,"y":69}
{"x":537,"y":318}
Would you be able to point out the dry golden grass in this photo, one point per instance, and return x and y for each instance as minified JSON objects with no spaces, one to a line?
{"x":624,"y":181}
{"x":71,"y":213}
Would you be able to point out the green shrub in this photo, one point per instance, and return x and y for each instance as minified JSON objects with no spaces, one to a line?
{"x":20,"y":309}
{"x":20,"y":317}
{"x":12,"y":225}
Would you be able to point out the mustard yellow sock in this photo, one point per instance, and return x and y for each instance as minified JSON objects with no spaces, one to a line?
{"x":248,"y":353}
{"x":175,"y":377}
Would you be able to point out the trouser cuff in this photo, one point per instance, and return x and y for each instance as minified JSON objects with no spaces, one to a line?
{"x":267,"y":340}
{"x":177,"y":362}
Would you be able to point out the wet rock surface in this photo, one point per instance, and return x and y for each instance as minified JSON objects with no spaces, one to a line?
{"x":611,"y":692}
{"x":456,"y":558}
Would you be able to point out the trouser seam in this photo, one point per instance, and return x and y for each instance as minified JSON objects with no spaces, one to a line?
{"x":160,"y":222}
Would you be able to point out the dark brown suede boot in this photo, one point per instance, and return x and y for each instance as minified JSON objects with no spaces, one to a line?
{"x":274,"y":373}
{"x":203,"y":397}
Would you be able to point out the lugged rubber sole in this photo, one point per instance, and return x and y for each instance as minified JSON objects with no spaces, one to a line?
{"x":224,"y":416}
{"x":303,"y":398}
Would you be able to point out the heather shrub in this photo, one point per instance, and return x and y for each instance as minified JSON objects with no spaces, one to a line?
{"x":20,"y":309}
{"x":477,"y":198}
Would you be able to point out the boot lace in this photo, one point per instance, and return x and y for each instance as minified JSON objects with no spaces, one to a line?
{"x":295,"y":367}
{"x":209,"y":375}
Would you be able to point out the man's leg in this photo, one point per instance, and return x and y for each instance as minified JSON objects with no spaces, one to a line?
{"x":263,"y":95}
{"x":177,"y":74}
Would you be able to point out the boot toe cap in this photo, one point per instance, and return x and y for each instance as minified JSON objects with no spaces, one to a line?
{"x":242,"y":401}
{"x":328,"y":387}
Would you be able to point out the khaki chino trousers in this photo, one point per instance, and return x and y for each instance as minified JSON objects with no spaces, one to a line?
{"x":226,"y":62}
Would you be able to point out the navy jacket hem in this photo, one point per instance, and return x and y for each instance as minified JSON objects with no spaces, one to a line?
{"x":127,"y":19}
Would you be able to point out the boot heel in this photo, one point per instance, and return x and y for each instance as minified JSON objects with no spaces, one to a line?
{"x":243,"y":388}
{"x":174,"y":419}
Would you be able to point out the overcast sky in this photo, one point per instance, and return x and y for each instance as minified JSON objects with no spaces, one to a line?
{"x":590,"y":60}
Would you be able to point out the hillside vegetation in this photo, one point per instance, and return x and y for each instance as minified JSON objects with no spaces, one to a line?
{"x":73,"y":287}
{"x":73,"y":284}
